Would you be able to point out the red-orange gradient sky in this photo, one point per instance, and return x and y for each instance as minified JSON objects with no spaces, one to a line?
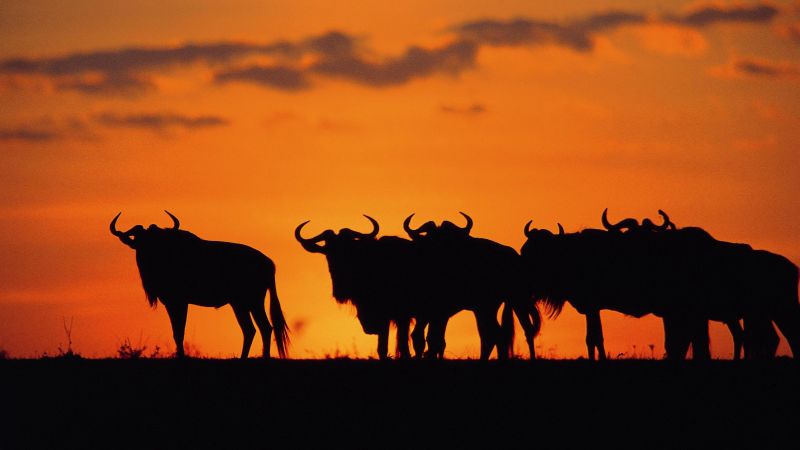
{"x":245,"y":118}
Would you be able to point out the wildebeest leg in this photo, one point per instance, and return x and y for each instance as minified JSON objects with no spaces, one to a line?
{"x":788,"y":321}
{"x":402,"y":337}
{"x":264,"y":327}
{"x":489,"y":331}
{"x":761,"y":339}
{"x":177,"y":317}
{"x":524,"y":315}
{"x":700,"y":341}
{"x":738,"y":338}
{"x":383,"y":341}
{"x":418,"y":337}
{"x":676,"y":337}
{"x":248,"y":330}
{"x":436,"y":343}
{"x":594,"y":335}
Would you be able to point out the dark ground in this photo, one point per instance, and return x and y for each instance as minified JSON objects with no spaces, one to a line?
{"x":58,"y":403}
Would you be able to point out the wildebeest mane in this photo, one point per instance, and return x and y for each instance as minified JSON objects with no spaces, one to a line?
{"x":156,"y":260}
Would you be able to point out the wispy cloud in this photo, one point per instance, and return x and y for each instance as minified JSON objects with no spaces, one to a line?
{"x":29,"y":134}
{"x":708,"y":15}
{"x":765,"y":68}
{"x":757,"y":68}
{"x":159,"y":121}
{"x":416,"y":62}
{"x":470,"y":110}
{"x":279,"y":77}
{"x":576,"y":34}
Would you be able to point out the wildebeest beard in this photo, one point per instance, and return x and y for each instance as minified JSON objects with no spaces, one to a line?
{"x":347,"y":277}
{"x":159,"y":254}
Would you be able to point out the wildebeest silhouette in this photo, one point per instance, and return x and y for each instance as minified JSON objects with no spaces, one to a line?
{"x":762,"y":340}
{"x":379,"y":276}
{"x":684,"y":276}
{"x":178,"y":269}
{"x":478,"y":275}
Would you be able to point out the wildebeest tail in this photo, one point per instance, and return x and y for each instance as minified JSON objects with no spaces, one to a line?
{"x":279,"y":326}
{"x":507,"y":330}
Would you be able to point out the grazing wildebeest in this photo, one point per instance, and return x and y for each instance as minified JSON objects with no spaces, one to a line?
{"x":178,"y":268}
{"x":481,"y":274}
{"x":684,"y":276}
{"x":379,"y":276}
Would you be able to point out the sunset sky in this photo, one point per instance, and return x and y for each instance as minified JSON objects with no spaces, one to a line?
{"x":246,"y":118}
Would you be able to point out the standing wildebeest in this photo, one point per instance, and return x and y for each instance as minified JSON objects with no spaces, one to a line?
{"x":477,"y":275}
{"x":761,"y":337}
{"x":179,"y":269}
{"x":378,"y":276}
{"x":684,"y":276}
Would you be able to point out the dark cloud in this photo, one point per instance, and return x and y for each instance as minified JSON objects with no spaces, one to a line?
{"x":763,"y":68}
{"x":576,"y":35}
{"x":138,"y":59}
{"x":28,"y":134}
{"x":109,"y":84}
{"x":159,"y":121}
{"x":416,"y":62}
{"x":714,"y":14}
{"x":471,"y":110}
{"x":279,"y":77}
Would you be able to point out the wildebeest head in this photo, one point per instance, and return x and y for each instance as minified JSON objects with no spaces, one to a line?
{"x":447,"y":230}
{"x":345,"y":252}
{"x":152,"y":244}
{"x":139,"y":237}
{"x":355,"y":265}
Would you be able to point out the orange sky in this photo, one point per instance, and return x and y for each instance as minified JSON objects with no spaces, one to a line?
{"x":509,"y":111}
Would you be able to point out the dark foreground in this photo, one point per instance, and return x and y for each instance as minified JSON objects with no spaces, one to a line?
{"x":406,"y":404}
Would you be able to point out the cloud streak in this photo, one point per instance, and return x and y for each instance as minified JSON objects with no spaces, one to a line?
{"x":765,"y":68}
{"x":710,"y":15}
{"x":26,"y":134}
{"x":159,"y":121}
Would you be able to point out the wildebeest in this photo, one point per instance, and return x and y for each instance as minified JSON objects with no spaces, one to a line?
{"x":178,"y":269}
{"x":761,"y":337}
{"x":684,"y":276}
{"x":477,"y":275}
{"x":377,"y":275}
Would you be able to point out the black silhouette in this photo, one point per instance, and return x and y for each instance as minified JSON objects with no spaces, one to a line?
{"x":683,"y":275}
{"x":392,"y":279}
{"x":179,"y":269}
{"x":477,"y":275}
{"x":382,"y":278}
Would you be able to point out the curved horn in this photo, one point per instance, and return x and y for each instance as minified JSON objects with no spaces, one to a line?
{"x":604,"y":218}
{"x":124,"y":237}
{"x":528,"y":231}
{"x":560,"y":230}
{"x":375,"y":227}
{"x":175,"y":222}
{"x":624,"y":223}
{"x":412,"y":233}
{"x":308,"y":244}
{"x":113,"y":227}
{"x":667,"y":225}
{"x":467,"y":228}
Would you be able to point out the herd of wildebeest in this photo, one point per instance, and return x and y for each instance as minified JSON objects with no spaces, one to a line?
{"x":682,"y":275}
